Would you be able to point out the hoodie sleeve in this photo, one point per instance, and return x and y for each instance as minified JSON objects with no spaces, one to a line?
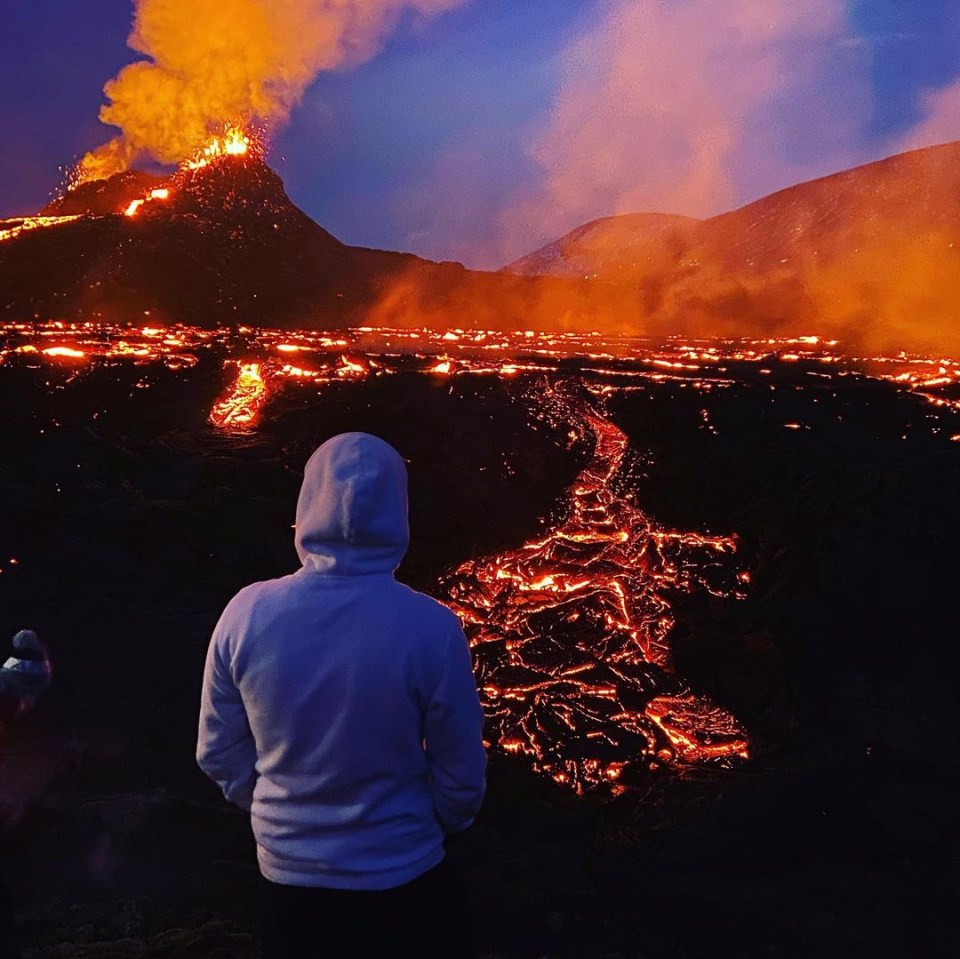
{"x":453,"y":731}
{"x":226,"y":751}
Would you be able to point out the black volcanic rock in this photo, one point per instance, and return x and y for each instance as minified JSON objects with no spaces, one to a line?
{"x":134,"y":522}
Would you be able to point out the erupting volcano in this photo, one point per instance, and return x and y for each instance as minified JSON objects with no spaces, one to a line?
{"x":219,"y":242}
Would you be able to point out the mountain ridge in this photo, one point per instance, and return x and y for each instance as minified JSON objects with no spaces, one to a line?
{"x":870,"y":256}
{"x":936,"y":165}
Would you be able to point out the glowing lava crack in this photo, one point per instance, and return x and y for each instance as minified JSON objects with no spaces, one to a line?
{"x":570,"y":632}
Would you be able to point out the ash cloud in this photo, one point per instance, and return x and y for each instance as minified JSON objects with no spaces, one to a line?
{"x":209,"y":62}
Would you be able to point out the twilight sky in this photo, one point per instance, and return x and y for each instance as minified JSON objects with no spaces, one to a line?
{"x":488,"y":127}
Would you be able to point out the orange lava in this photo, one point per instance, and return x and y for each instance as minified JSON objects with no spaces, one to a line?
{"x":235,"y":141}
{"x":161,"y":193}
{"x":11,"y":229}
{"x":65,"y":351}
{"x":570,"y":631}
{"x":240,"y":408}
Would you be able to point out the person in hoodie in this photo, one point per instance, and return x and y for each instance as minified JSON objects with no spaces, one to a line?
{"x":24,"y":675}
{"x":340,"y":708}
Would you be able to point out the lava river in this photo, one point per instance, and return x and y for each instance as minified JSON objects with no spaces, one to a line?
{"x":570,"y":631}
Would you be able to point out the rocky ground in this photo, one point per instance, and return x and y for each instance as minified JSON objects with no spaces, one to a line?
{"x":132,"y":523}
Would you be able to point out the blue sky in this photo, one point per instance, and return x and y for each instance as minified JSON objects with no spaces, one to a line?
{"x":433,"y":144}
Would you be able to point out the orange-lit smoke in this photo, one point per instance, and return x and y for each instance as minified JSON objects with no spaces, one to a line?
{"x":872,"y":259}
{"x":209,"y":62}
{"x":439,"y":296}
{"x":680,"y":106}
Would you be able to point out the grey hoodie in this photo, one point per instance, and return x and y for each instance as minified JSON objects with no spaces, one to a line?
{"x":339,"y":706}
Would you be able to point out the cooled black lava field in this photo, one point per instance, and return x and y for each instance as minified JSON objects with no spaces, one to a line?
{"x":793,"y":516}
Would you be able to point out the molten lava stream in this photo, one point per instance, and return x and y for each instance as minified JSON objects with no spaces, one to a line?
{"x":240,"y":408}
{"x":570,"y":632}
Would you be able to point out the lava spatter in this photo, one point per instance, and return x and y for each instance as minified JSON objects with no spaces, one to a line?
{"x":570,"y":631}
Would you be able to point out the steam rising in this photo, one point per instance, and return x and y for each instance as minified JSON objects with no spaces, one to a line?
{"x":679,"y":106}
{"x":215,"y":61}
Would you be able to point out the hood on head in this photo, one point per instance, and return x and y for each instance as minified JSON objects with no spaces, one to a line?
{"x":352,"y":510}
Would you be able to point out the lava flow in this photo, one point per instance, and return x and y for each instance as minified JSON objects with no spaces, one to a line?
{"x":240,"y":408}
{"x":11,"y":229}
{"x":163,"y":193}
{"x":570,"y":632}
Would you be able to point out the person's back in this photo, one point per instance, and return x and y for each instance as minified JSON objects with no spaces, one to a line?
{"x":338,"y":705}
{"x":336,"y":674}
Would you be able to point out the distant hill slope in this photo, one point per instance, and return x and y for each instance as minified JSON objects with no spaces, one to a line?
{"x":872,"y":252}
{"x":866,"y":205}
{"x":613,"y":246}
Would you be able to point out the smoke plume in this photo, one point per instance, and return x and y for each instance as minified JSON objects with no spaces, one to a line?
{"x":210,"y":62}
{"x":682,"y":106}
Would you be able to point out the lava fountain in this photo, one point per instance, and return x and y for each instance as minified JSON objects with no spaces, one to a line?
{"x":235,"y":141}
